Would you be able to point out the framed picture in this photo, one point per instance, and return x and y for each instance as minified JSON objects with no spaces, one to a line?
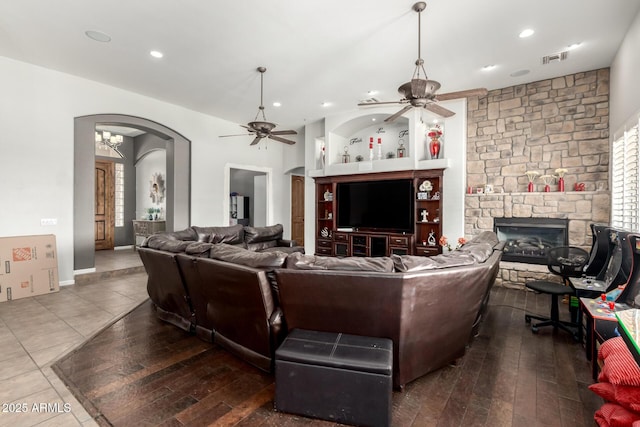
{"x":480,"y":190}
{"x":488,"y":188}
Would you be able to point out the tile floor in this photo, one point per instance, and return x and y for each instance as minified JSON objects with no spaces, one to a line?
{"x":36,"y":331}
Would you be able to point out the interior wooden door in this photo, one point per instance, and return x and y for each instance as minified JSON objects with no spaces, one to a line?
{"x":297,"y":209}
{"x":104,"y":205}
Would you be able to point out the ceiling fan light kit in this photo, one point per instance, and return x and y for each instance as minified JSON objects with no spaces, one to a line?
{"x":264,"y":128}
{"x":421,"y":92}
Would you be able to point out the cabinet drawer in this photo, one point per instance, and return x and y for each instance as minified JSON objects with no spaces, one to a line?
{"x":320,"y":250}
{"x":398,"y":241}
{"x":427,"y":251}
{"x":341,"y":237}
{"x":324,"y":243}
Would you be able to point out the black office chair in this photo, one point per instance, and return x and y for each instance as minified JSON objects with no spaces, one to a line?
{"x":565,"y":261}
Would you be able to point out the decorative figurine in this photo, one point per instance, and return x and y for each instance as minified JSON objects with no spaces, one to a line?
{"x":432,"y":238}
{"x":425,"y":215}
{"x":346,"y":158}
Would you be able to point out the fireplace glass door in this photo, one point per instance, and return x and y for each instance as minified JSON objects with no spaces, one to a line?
{"x":529,"y":239}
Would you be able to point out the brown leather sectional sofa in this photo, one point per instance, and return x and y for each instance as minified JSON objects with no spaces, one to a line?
{"x":247,"y":301}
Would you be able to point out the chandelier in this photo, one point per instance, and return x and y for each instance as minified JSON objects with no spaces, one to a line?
{"x":106,"y":139}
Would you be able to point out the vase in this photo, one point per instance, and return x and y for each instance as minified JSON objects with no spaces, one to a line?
{"x":530,"y":188}
{"x":547,"y":188}
{"x":561,"y":184}
{"x":434,"y":148}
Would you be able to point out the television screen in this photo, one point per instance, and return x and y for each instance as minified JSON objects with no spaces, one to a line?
{"x":376,"y":205}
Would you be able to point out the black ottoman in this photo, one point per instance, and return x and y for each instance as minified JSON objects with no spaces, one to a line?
{"x":337,"y":377}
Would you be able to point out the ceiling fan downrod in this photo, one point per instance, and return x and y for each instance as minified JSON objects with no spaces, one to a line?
{"x":261,"y":107}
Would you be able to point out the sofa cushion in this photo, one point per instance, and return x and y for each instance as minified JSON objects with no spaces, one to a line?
{"x":263,"y":234}
{"x":411,"y":263}
{"x":153,"y":241}
{"x":237,"y":255}
{"x":169,"y":245}
{"x":198,"y":248}
{"x":233,"y":234}
{"x":480,"y":251}
{"x":301,"y":261}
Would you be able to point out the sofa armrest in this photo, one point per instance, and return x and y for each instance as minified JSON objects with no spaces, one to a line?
{"x":287,"y":243}
{"x":278,"y":328}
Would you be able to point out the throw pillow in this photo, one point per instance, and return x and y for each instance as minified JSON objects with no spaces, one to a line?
{"x":237,"y":255}
{"x":611,"y":414}
{"x":620,"y":368}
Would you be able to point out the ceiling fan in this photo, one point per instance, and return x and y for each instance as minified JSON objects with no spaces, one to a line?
{"x":264,"y":129}
{"x":420,"y":92}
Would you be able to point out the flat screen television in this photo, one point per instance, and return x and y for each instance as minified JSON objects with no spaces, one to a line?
{"x":385,"y":205}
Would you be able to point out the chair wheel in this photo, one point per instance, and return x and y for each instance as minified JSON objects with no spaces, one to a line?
{"x":534,"y":329}
{"x":527,"y":318}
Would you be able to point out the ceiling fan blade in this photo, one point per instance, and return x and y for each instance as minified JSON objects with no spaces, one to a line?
{"x":439,"y":110}
{"x":364,"y":104}
{"x":462,"y":94}
{"x":255,"y":141}
{"x":284,"y":132}
{"x":277,"y":138}
{"x":239,"y":134}
{"x":398,"y":114}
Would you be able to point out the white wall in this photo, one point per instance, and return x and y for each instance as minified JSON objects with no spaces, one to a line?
{"x":624,"y":82}
{"x":37,"y":108}
{"x":152,"y":163}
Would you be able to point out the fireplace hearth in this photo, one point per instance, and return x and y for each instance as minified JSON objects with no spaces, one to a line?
{"x":529,"y":239}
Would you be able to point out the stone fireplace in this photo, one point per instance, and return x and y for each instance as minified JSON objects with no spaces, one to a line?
{"x":528,"y":240}
{"x":541,"y":126}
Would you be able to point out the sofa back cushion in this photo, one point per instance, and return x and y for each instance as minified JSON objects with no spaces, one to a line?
{"x":301,"y":261}
{"x":237,"y":255}
{"x":233,"y":234}
{"x":175,"y":241}
{"x":263,"y":234}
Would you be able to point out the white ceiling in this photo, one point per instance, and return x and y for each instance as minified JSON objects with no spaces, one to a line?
{"x":315,"y":51}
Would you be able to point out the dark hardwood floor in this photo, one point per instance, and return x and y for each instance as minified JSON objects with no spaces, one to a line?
{"x":141,"y":371}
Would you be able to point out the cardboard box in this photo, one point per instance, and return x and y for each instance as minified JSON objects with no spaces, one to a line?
{"x":28,"y":266}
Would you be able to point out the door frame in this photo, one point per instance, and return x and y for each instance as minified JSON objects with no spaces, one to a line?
{"x":227,"y":189}
{"x":110,"y":229}
{"x":178,"y":208}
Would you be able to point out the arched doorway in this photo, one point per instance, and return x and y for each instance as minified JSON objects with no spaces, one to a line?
{"x":178,"y":195}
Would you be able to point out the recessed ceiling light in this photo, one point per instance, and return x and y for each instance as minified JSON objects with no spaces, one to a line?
{"x":373,"y":119}
{"x":156,"y":54}
{"x":574,"y":46}
{"x":98,"y":36}
{"x":277,"y":104}
{"x":326,"y":104}
{"x":519,"y":73}
{"x":488,"y":67}
{"x":526,"y":33}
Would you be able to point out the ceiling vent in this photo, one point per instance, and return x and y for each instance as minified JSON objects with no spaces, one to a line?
{"x":555,"y":57}
{"x":369,"y":101}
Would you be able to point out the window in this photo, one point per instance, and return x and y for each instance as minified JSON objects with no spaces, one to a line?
{"x":119,"y":195}
{"x":625,"y":190}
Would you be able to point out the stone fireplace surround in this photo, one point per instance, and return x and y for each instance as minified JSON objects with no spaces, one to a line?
{"x":556,"y":123}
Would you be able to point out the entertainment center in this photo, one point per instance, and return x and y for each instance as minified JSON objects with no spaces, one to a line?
{"x":379,"y":214}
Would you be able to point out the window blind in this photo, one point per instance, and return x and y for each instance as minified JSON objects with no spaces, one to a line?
{"x":625,"y":164}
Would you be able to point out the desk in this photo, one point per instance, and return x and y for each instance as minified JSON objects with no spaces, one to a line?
{"x":600,"y":323}
{"x":629,"y":320}
{"x":145,"y":228}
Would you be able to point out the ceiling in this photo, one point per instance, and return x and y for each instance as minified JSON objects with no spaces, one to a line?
{"x":315,"y":51}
